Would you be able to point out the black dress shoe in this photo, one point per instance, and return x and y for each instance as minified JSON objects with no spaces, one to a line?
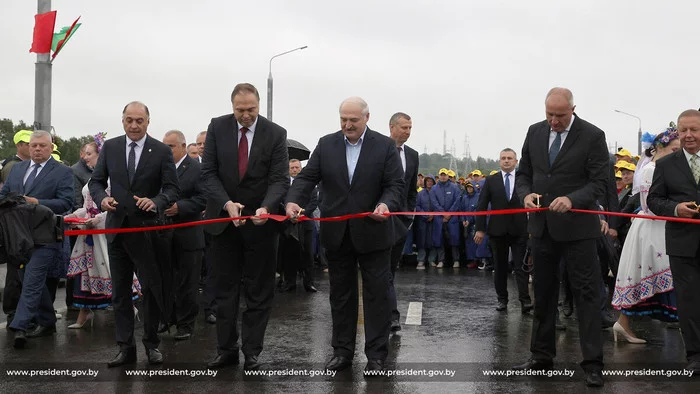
{"x":692,"y":366}
{"x":594,"y":379}
{"x":223,"y":360}
{"x":251,"y":363}
{"x":502,"y":306}
{"x":338,"y":363}
{"x":154,"y":356}
{"x":525,"y":308}
{"x":395,"y":326}
{"x":372,"y":366}
{"x":181,"y":335}
{"x":288,"y":288}
{"x":567,"y":308}
{"x":537,"y":365}
{"x":162,"y":327}
{"x":127,"y":356}
{"x":310,"y":287}
{"x":41,"y":331}
{"x":20,"y":339}
{"x":211,"y":318}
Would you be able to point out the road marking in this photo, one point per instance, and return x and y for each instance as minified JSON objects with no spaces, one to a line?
{"x":414,"y":315}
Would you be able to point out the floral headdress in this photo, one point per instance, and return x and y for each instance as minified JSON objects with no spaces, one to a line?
{"x":650,"y":140}
{"x":100,"y":139}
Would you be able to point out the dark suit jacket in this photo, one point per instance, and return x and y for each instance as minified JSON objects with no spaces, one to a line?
{"x":190,"y":205}
{"x":409,"y":193}
{"x":53,"y":187}
{"x":673,"y":183}
{"x":155,"y":178}
{"x":266,"y":180}
{"x":494,"y":192}
{"x":580,"y":172}
{"x":378,"y":178}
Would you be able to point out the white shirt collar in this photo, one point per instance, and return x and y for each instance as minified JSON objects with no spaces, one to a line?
{"x":177,"y":165}
{"x":42,"y":164}
{"x":688,"y":156}
{"x":252,"y":127}
{"x":359,"y":141}
{"x":503,"y":174}
{"x":139,"y":143}
{"x":568,"y":128}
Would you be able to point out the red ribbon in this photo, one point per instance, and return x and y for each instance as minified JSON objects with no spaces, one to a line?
{"x":282,"y":218}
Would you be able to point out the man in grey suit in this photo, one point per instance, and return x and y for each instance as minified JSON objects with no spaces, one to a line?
{"x":564,"y":165}
{"x":675,"y":191}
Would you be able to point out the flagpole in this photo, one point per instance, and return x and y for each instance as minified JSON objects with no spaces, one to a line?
{"x":42,"y":84}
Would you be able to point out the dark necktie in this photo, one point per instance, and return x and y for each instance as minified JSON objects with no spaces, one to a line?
{"x":399,"y":149}
{"x":131,"y":165}
{"x":554,"y":149}
{"x":508,"y":186}
{"x":242,"y":154}
{"x":30,"y":179}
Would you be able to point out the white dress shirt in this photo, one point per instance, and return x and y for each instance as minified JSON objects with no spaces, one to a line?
{"x":352,"y":153}
{"x":138,"y":149}
{"x":177,"y":165}
{"x":248,"y":135}
{"x":553,"y":134}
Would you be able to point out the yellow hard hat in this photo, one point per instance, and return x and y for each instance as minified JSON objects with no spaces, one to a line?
{"x":493,"y":172}
{"x":618,"y":174}
{"x":476,"y":172}
{"x":451,"y":173}
{"x":22,"y":136}
{"x":624,"y":153}
{"x":444,"y":171}
{"x":625,"y":165}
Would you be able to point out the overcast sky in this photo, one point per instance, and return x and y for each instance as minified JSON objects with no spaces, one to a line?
{"x":476,"y":68}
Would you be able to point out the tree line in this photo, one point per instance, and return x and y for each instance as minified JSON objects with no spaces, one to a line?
{"x":69,"y":149}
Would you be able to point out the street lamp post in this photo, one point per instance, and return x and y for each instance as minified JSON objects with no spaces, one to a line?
{"x":269,"y":81}
{"x":639,"y":133}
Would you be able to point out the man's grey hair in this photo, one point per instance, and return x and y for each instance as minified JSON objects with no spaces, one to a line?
{"x":356,"y":100}
{"x":180,"y":136}
{"x":395,"y":118}
{"x":510,"y":150}
{"x":561,"y":92}
{"x":41,"y":134}
{"x":201,"y":133}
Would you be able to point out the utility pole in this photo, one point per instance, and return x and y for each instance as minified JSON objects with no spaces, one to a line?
{"x":444,"y":142}
{"x":42,"y":82}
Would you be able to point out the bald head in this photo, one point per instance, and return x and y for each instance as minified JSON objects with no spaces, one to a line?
{"x":559,"y":108}
{"x":561,"y":93}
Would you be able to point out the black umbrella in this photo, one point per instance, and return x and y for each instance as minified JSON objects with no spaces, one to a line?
{"x":297,"y":150}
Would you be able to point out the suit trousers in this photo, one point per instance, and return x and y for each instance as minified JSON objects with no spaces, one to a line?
{"x":499,"y":248}
{"x":12,"y":290}
{"x":583,"y":270}
{"x":129,"y":253}
{"x":686,"y":279}
{"x":209,"y":280}
{"x":35,"y":301}
{"x":297,"y":255}
{"x":376,"y":284}
{"x":244,"y":263}
{"x":188,"y":265}
{"x":396,"y":254}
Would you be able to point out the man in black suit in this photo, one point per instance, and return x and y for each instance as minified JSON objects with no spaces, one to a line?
{"x":141,"y":174}
{"x":361,"y":172}
{"x":675,"y":191}
{"x":188,"y":242}
{"x":245,"y":172}
{"x":564,"y":165}
{"x":400,"y":126}
{"x":505,"y":231}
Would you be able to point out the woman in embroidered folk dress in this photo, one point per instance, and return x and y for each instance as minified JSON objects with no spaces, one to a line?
{"x":89,"y":263}
{"x":644,"y":285}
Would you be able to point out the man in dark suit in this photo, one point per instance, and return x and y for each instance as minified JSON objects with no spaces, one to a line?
{"x":188,"y":242}
{"x":400,"y":126}
{"x":504,"y":231}
{"x":361,"y":172}
{"x":564,"y":165}
{"x":143,"y":181}
{"x":245,"y":172}
{"x":675,"y":191}
{"x":42,"y":180}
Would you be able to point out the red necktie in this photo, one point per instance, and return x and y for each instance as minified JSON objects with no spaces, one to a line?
{"x":242,"y":154}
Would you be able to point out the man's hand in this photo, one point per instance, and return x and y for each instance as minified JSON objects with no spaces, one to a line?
{"x":293,"y":211}
{"x":479,"y":237}
{"x":560,"y":205}
{"x":613,"y":233}
{"x":465,"y":223}
{"x":428,"y":218}
{"x":260,"y":221}
{"x":684,"y":209}
{"x":604,"y":227}
{"x":144,"y":203}
{"x":234,"y":210}
{"x":379,"y":212}
{"x":31,"y":200}
{"x":109,"y":204}
{"x":530,"y":200}
{"x":446,"y":218}
{"x":91,"y":223}
{"x":172,"y":211}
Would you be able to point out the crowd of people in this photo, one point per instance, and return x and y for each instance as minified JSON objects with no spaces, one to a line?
{"x":241,"y":167}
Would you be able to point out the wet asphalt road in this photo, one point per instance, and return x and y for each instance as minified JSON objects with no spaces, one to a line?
{"x":460,"y":330}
